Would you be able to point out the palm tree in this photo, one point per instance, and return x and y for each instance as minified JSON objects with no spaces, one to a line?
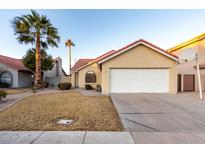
{"x":69,"y":44}
{"x":36,"y":29}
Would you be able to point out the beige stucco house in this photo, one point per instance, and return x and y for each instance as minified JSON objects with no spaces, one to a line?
{"x":138,"y":67}
{"x":187,"y":73}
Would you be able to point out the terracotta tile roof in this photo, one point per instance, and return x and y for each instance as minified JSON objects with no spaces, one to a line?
{"x":146,"y":42}
{"x":165,"y":51}
{"x":137,"y":42}
{"x":80,"y":63}
{"x":13,"y":63}
{"x":105,"y":55}
{"x":101,"y":57}
{"x":113,"y":52}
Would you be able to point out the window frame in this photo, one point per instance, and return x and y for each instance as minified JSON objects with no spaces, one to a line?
{"x":11,"y":77}
{"x":94,"y":80}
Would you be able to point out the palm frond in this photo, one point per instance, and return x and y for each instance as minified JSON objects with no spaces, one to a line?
{"x":25,"y":39}
{"x":27,"y":26}
{"x":69,"y":43}
{"x":44,"y":45}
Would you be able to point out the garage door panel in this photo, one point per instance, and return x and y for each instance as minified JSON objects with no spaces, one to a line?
{"x":139,"y":80}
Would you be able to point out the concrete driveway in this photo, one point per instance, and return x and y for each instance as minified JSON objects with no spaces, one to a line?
{"x":162,"y":118}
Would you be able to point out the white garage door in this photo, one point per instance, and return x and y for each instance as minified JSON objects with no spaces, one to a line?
{"x":139,"y":80}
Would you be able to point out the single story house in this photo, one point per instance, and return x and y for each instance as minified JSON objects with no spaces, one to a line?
{"x":187,"y":74}
{"x":138,"y":67}
{"x":16,"y":75}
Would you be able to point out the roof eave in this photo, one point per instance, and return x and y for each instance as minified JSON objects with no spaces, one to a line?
{"x":85,"y":65}
{"x":186,"y":43}
{"x":96,"y":60}
{"x":160,"y":51}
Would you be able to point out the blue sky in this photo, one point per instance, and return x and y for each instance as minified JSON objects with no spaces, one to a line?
{"x":98,"y":31}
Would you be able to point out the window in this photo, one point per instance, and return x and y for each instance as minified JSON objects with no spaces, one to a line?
{"x":90,"y":77}
{"x":6,"y":77}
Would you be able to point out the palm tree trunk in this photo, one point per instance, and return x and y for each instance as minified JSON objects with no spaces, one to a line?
{"x":70,"y":59}
{"x":38,"y":62}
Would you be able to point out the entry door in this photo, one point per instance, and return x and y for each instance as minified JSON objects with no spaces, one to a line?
{"x":139,"y":80}
{"x":76,"y":79}
{"x":188,"y":82}
{"x":179,"y":83}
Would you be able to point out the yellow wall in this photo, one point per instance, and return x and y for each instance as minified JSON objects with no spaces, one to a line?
{"x":140,"y":57}
{"x":73,"y":79}
{"x":198,"y":47}
{"x":187,"y":68}
{"x":92,"y":67}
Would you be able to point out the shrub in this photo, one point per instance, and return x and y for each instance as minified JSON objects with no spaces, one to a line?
{"x":52,"y":85}
{"x":64,"y":86}
{"x":4,"y":85}
{"x":88,"y":87}
{"x":33,"y":89}
{"x":2,"y":94}
{"x":99,"y":88}
{"x":45,"y":84}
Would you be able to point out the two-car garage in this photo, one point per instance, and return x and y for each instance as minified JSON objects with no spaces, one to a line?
{"x":139,"y":80}
{"x":139,"y":68}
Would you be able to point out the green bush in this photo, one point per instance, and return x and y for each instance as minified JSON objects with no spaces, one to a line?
{"x":45,"y":84}
{"x":88,"y":87}
{"x":4,"y":85}
{"x":64,"y":86}
{"x":99,"y":88}
{"x":2,"y":94}
{"x":52,"y":85}
{"x":33,"y":89}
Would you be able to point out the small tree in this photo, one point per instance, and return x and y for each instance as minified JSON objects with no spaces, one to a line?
{"x":29,"y":60}
{"x":2,"y":94}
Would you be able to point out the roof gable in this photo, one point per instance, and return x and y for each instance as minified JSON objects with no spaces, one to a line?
{"x":14,"y":63}
{"x":80,"y":63}
{"x":136,"y":43}
{"x":103,"y":56}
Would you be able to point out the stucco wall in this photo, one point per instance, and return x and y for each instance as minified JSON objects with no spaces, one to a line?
{"x":72,"y":79}
{"x":81,"y":79}
{"x":187,"y":68}
{"x":64,"y":78}
{"x":24,"y":79}
{"x":14,"y":74}
{"x":55,"y":75}
{"x":140,"y":57}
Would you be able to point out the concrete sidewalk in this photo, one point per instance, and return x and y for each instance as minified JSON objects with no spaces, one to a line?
{"x":64,"y":137}
{"x":12,"y":99}
{"x":94,"y":137}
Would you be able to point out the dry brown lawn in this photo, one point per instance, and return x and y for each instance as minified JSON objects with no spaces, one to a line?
{"x":42,"y":111}
{"x":17,"y":90}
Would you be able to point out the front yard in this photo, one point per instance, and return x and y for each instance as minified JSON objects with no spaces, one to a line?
{"x":42,"y":112}
{"x":12,"y":91}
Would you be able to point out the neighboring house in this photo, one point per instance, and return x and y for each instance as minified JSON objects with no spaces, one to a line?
{"x":57,"y":74}
{"x":138,"y":67}
{"x":13,"y":72}
{"x":187,"y":74}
